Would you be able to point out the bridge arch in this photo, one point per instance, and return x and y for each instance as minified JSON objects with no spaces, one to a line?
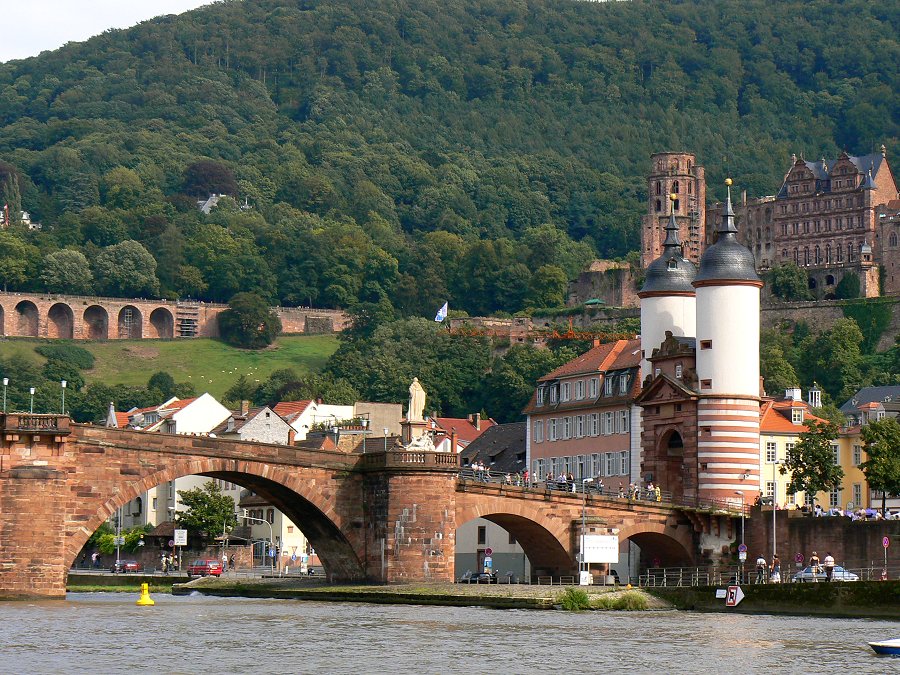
{"x":162,"y":323}
{"x":60,"y":321}
{"x":27,"y":319}
{"x":660,"y":543}
{"x":96,"y":323}
{"x":131,"y":323}
{"x":294,"y":492}
{"x":544,"y":542}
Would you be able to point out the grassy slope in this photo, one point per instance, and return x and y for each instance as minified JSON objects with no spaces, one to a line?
{"x":210,"y":365}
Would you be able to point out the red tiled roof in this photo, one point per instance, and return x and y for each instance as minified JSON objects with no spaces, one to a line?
{"x":775,"y":417}
{"x":288,"y":408}
{"x":464,"y":428}
{"x":180,"y":404}
{"x":610,"y":356}
{"x":122,"y":419}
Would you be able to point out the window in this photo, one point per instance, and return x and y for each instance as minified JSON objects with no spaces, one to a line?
{"x":594,"y":387}
{"x":892,"y":239}
{"x":857,"y":495}
{"x":611,"y":461}
{"x":623,"y":421}
{"x":270,"y":516}
{"x":771,"y":452}
{"x":582,"y":469}
{"x":597,"y":463}
{"x":857,"y":455}
{"x":565,"y":391}
{"x":554,"y":393}
{"x":537,"y":469}
{"x":552,"y":425}
{"x":482,"y":535}
{"x":155,"y":503}
{"x":512,"y":539}
{"x":836,"y":452}
{"x":595,"y":424}
{"x":623,"y":463}
{"x":706,"y":384}
{"x":623,"y":384}
{"x":538,"y":431}
{"x":607,"y":386}
{"x":567,"y":428}
{"x":540,"y":395}
{"x":797,"y":415}
{"x":834,"y":499}
{"x":770,"y":488}
{"x":579,"y":426}
{"x":678,"y":370}
{"x":705,"y":344}
{"x":788,"y":448}
{"x":607,"y":423}
{"x":579,"y":390}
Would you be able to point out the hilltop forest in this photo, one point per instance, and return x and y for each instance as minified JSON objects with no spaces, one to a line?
{"x":394,"y":155}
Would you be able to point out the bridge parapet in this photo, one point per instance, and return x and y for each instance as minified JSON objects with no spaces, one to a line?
{"x":410,"y":460}
{"x":55,"y":425}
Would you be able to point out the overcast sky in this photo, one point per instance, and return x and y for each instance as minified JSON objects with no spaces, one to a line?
{"x":32,"y":26}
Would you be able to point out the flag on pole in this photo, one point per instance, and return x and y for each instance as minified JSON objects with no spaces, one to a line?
{"x":441,"y":313}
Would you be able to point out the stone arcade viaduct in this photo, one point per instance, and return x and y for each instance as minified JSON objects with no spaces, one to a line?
{"x":379,"y":516}
{"x":92,"y":318}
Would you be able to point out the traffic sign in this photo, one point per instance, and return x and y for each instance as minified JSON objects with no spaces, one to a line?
{"x":885,"y":541}
{"x":742,"y":555}
{"x":180,"y":537}
{"x":798,"y":558}
{"x":742,"y":548}
{"x":488,"y":562}
{"x":489,"y":551}
{"x":734,"y":596}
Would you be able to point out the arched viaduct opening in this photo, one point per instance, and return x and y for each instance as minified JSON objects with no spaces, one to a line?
{"x":60,"y":322}
{"x":162,"y":323}
{"x":520,"y":547}
{"x":27,"y":319}
{"x":96,"y":323}
{"x":130,"y":323}
{"x":339,"y":553}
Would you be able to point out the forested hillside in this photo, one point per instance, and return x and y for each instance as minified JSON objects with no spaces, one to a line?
{"x":401,"y":153}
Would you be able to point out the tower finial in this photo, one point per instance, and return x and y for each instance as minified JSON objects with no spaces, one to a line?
{"x":727,"y":224}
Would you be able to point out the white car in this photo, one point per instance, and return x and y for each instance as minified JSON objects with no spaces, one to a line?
{"x":840,"y":574}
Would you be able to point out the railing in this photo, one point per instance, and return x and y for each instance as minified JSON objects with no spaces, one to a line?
{"x":31,"y":423}
{"x":593,"y":487}
{"x":733,"y":574}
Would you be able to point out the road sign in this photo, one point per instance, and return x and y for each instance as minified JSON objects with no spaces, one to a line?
{"x":171,"y":543}
{"x":181,"y":537}
{"x":742,"y":548}
{"x":734,"y":596}
{"x":885,"y":541}
{"x":488,"y":561}
{"x":798,"y":558}
{"x":742,"y":555}
{"x":489,"y":551}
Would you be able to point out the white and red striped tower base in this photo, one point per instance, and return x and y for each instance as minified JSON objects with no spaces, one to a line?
{"x":728,"y":447}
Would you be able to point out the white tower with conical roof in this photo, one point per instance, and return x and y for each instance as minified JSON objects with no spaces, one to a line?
{"x":728,"y":290}
{"x":668,"y":300}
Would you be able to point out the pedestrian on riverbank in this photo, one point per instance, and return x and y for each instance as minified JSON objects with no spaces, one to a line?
{"x":95,"y":559}
{"x":814,"y":566}
{"x":760,"y":569}
{"x":776,"y":570}
{"x":84,"y":560}
{"x":829,"y":566}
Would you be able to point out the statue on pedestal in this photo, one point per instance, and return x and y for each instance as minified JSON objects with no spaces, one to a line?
{"x":416,"y":402}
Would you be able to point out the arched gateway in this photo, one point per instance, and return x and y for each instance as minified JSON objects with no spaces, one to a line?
{"x":379,"y":516}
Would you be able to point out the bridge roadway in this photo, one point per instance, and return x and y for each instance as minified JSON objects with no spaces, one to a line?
{"x":379,"y":516}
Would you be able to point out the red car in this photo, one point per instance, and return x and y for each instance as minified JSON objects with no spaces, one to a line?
{"x":203,"y":568}
{"x":125,"y":566}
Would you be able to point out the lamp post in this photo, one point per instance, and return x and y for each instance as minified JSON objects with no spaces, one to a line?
{"x":386,"y":430}
{"x":582,"y":563}
{"x":62,"y":384}
{"x":5,"y":385}
{"x":271,"y":535}
{"x":743,"y":553}
{"x":31,"y":408}
{"x":774,"y":497}
{"x":365,"y":426}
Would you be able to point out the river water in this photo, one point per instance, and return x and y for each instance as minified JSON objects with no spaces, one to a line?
{"x":104,"y":633}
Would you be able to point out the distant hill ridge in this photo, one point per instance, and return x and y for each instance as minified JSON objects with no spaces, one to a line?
{"x":399,"y":154}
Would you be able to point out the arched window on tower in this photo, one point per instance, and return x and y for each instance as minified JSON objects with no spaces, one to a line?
{"x":676,"y":188}
{"x":839,"y":252}
{"x":796,"y":256}
{"x":690,"y":188}
{"x":818,"y":255}
{"x":658,"y":188}
{"x":827,"y":253}
{"x":892,"y":240}
{"x":806,"y":255}
{"x":851,"y":252}
{"x":658,"y":206}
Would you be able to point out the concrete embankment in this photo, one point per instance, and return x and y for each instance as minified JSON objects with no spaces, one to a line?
{"x":874,"y":599}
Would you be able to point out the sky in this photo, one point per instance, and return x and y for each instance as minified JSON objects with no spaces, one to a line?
{"x":33,"y":26}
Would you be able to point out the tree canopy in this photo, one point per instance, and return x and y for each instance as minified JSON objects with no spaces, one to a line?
{"x":811,"y":462}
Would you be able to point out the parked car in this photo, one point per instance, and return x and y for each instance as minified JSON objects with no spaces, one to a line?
{"x":125,"y":566}
{"x":478,"y":578}
{"x":840,"y":574}
{"x":205,"y":567}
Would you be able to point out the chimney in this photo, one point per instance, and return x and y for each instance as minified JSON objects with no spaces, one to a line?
{"x":793,"y":394}
{"x":453,"y":444}
{"x":477,"y":421}
{"x":596,"y":342}
{"x":245,"y":407}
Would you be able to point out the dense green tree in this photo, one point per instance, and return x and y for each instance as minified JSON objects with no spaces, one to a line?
{"x":126,"y":270}
{"x":67,"y":271}
{"x":848,"y":287}
{"x":163,"y":383}
{"x":249,"y":322}
{"x":208,"y":177}
{"x":17,"y":258}
{"x":811,"y":461}
{"x":207,"y":512}
{"x":882,"y":466}
{"x":789,"y":282}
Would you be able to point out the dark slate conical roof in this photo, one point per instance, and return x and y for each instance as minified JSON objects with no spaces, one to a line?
{"x":671,"y":272}
{"x":727,"y":259}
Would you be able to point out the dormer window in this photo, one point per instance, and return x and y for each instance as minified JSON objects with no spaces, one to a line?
{"x":579,"y":390}
{"x":623,"y":384}
{"x":607,"y":386}
{"x":540,"y":395}
{"x":565,"y":390}
{"x":678,"y":371}
{"x":797,"y":415}
{"x":554,"y":393}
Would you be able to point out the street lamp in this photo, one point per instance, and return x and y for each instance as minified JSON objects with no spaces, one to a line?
{"x":63,"y":385}
{"x":774,"y":497}
{"x":31,"y":409}
{"x":386,"y":430}
{"x":582,"y":563}
{"x":365,"y":426}
{"x":742,"y":553}
{"x":5,"y":385}
{"x":271,"y":536}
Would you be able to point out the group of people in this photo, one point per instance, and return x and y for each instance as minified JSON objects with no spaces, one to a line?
{"x":771,"y":572}
{"x":167,"y":562}
{"x":649,"y":492}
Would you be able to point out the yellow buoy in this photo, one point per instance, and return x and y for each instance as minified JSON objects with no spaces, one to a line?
{"x":145,"y":599}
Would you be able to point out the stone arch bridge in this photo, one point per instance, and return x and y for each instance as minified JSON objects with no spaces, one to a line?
{"x":379,"y":516}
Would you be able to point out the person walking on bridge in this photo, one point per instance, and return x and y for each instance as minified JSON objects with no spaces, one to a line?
{"x":760,"y":570}
{"x":829,"y":566}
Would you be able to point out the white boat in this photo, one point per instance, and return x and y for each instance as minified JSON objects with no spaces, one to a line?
{"x":887,"y":647}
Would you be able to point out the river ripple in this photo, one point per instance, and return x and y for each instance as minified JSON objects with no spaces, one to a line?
{"x":106,"y":633}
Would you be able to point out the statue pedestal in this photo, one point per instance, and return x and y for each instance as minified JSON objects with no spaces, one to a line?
{"x":412,"y":429}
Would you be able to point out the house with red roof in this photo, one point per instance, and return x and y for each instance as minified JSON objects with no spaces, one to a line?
{"x":462,"y":430}
{"x":581,"y":418}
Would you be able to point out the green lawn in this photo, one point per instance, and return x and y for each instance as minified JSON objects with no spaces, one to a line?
{"x":210,"y":365}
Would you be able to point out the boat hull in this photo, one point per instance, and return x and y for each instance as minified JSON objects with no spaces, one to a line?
{"x":890,"y":647}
